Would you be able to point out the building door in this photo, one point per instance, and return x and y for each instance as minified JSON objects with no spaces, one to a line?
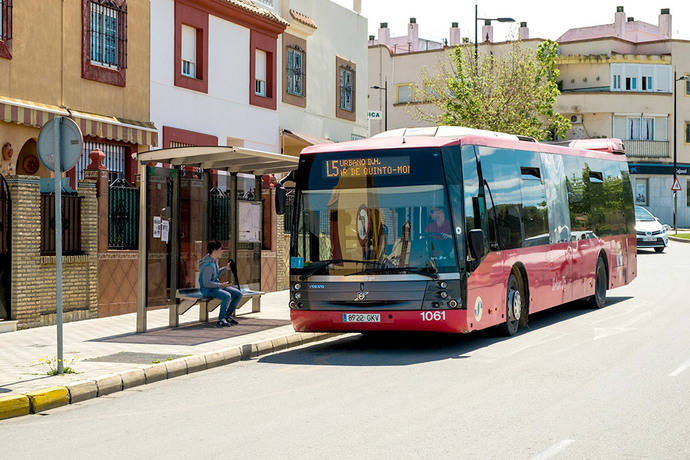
{"x":5,"y":257}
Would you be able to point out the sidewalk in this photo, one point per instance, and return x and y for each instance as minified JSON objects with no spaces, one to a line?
{"x":109,"y":345}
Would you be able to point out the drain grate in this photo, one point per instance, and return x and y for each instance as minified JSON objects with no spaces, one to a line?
{"x":130,"y":357}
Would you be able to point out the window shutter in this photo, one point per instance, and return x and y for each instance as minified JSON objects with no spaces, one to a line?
{"x":663,"y":78}
{"x":661,"y":129}
{"x":188,"y":44}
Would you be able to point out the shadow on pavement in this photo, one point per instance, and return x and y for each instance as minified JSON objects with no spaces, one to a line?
{"x":406,"y":348}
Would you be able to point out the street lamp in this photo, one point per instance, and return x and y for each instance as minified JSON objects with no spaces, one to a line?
{"x":476,"y":46}
{"x":385,"y":103}
{"x":675,"y":157}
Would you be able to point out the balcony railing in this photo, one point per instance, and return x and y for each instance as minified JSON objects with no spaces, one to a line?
{"x":646,"y":149}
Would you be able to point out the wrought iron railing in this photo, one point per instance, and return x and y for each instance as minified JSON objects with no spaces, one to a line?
{"x":219,"y":203}
{"x":108,"y":33}
{"x":4,"y":216}
{"x":123,"y":215}
{"x":71,"y":224}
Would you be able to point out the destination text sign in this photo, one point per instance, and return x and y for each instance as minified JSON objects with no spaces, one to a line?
{"x":367,"y":167}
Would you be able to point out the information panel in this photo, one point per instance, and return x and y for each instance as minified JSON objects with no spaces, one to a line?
{"x":371,"y":166}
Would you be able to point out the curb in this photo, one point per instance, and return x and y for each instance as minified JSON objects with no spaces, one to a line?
{"x":680,"y":240}
{"x":49,"y":398}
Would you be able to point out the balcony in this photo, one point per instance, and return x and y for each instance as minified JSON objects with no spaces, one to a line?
{"x":646,"y":149}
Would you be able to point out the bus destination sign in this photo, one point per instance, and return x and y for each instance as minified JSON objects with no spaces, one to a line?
{"x":367,"y":167}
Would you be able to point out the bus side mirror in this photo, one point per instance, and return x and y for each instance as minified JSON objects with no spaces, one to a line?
{"x":477,"y":243}
{"x":280,"y":200}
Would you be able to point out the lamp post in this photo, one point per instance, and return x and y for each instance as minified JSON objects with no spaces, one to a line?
{"x":476,"y":18}
{"x":675,"y":156}
{"x":384,"y":88}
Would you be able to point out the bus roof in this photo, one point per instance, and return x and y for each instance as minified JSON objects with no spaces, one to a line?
{"x":441,"y":136}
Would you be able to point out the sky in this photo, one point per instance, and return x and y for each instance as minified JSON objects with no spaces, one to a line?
{"x":545,"y":19}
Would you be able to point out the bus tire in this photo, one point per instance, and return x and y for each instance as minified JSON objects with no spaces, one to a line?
{"x":515,"y":306}
{"x":598,"y":300}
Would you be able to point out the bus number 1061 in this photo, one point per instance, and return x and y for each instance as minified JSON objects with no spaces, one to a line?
{"x":433,"y":315}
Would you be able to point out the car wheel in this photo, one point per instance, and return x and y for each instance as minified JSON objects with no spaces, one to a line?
{"x":516,"y":307}
{"x":658,"y":250}
{"x":598,"y":300}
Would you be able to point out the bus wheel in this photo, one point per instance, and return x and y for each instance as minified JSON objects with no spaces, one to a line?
{"x":514,"y":306}
{"x":598,"y":300}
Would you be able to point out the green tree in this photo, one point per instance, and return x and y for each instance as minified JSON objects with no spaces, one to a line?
{"x":512,"y":93}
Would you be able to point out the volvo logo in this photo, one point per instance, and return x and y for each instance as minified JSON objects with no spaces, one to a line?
{"x":362,"y":294}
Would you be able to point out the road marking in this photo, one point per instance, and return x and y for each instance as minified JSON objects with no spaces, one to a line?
{"x":553,"y":450}
{"x":680,"y":369}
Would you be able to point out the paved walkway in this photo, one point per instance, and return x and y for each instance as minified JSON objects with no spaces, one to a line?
{"x":107,"y":345}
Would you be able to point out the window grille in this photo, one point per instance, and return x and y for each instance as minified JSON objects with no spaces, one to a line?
{"x":346,"y":89}
{"x":115,"y":158}
{"x":295,"y":72}
{"x":5,"y":19}
{"x":71,"y":224}
{"x":107,"y":34}
{"x":123,"y":215}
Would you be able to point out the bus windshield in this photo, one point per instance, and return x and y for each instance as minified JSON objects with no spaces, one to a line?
{"x":374,"y":213}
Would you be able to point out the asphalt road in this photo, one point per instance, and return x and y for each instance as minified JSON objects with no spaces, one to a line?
{"x":579,"y":383}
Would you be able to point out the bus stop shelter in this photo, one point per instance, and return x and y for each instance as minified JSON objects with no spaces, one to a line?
{"x":188,"y":196}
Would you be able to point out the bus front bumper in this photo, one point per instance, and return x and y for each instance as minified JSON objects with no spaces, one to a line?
{"x":452,"y":321}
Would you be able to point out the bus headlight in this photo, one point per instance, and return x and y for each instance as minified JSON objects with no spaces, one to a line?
{"x":297,"y":286}
{"x":443,"y":294}
{"x":298,"y":295}
{"x":443,"y":284}
{"x":453,"y":303}
{"x":293,"y":304}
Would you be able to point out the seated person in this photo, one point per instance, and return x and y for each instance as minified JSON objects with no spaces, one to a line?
{"x":210,"y":286}
{"x":439,"y":227}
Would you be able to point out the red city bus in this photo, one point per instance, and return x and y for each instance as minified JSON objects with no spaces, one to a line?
{"x":451,"y":229}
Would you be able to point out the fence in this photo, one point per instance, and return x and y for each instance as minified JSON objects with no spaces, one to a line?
{"x":71,"y":224}
{"x":4,"y":217}
{"x":218,"y":215}
{"x":123,"y":215}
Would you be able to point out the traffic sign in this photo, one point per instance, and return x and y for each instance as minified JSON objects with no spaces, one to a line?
{"x":676,"y":185}
{"x":70,"y":143}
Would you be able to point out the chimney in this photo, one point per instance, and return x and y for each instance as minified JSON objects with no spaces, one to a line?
{"x":523,"y":32}
{"x":357,"y":6}
{"x":384,"y":33}
{"x":665,"y":23}
{"x":454,"y":34}
{"x":413,"y":34}
{"x":620,"y":22}
{"x":487,"y":32}
{"x":372,"y":39}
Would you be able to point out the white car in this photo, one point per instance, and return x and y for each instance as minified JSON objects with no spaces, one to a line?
{"x":650,"y":232}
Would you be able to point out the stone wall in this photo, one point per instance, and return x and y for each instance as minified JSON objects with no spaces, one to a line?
{"x":33,"y":297}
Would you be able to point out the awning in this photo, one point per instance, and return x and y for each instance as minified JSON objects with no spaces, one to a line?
{"x":311,"y":140}
{"x":36,"y":115}
{"x":232,"y":159}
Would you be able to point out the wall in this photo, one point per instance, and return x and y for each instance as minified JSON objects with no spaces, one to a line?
{"x":39,"y":40}
{"x":33,"y":288}
{"x":340,"y":32}
{"x":225,"y":110}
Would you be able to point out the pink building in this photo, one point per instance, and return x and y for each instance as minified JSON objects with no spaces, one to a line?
{"x":624,"y":28}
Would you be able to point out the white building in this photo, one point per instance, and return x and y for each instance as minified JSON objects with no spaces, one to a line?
{"x":324,"y":58}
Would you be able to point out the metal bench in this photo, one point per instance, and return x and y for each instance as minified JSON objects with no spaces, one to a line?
{"x":187,"y":298}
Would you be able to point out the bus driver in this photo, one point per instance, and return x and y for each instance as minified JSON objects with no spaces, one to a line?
{"x":439,"y":227}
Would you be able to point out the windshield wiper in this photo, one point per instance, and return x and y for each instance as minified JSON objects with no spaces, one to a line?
{"x":428,"y":271}
{"x":316,"y":266}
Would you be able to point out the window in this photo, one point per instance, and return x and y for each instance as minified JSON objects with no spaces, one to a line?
{"x":188,"y":51}
{"x":647,"y":84}
{"x":260,"y":73}
{"x":345,"y":84}
{"x":687,"y":193}
{"x":405,"y":93}
{"x":687,"y":132}
{"x":115,"y":158}
{"x":687,"y":86}
{"x":640,"y":129}
{"x":641,"y":187}
{"x":630,"y":83}
{"x":5,"y":28}
{"x":104,"y":44}
{"x":616,"y":82}
{"x":346,"y":89}
{"x":191,"y":48}
{"x":295,"y":58}
{"x":262,"y":70}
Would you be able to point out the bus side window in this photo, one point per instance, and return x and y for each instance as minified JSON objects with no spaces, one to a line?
{"x":475,"y":205}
